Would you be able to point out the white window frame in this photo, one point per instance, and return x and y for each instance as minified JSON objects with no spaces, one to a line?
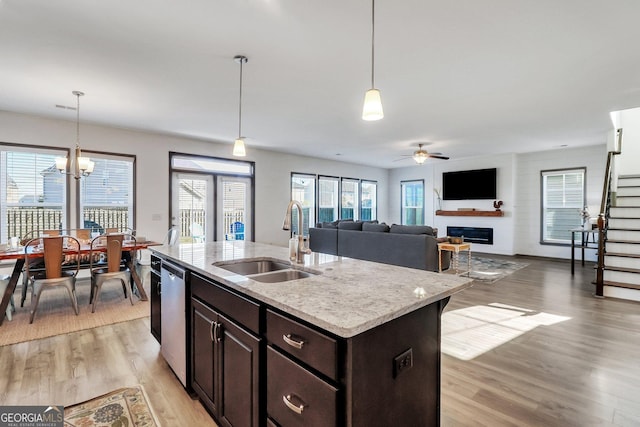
{"x":373,"y":199}
{"x":346,"y":195}
{"x":329,"y":199}
{"x":561,"y":207}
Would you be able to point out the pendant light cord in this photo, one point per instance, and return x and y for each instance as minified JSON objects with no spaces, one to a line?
{"x":240,"y":103}
{"x":78,"y":121}
{"x":373,"y":34}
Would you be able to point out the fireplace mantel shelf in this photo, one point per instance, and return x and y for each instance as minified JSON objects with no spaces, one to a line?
{"x":470,"y":213}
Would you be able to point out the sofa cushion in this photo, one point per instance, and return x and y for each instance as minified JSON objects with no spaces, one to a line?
{"x":329,"y":225}
{"x":350,"y":225}
{"x":368,"y":226}
{"x":411,"y":229}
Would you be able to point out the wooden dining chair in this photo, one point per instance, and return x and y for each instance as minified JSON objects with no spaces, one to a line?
{"x":113,"y":230}
{"x":61,"y":256}
{"x":111,"y":268}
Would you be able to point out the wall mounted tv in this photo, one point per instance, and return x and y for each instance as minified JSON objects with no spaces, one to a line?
{"x":479,"y":184}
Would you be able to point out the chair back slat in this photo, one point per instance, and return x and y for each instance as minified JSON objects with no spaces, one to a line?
{"x":53,"y":256}
{"x":114,"y":252}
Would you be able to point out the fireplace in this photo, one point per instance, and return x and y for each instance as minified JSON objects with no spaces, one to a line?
{"x":472,"y":234}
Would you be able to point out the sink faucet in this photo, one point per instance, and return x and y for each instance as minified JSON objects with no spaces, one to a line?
{"x":286,"y":225}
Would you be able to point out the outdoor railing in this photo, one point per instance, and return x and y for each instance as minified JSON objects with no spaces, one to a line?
{"x":24,"y":220}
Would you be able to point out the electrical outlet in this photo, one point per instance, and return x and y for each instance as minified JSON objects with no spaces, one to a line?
{"x":402,"y":362}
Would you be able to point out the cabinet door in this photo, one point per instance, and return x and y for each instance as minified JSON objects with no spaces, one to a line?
{"x":156,"y":306}
{"x":239,"y":376}
{"x":204,"y":354}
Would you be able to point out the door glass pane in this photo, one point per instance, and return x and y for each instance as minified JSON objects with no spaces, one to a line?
{"x":350,"y":199}
{"x":303,"y":189}
{"x":192,"y":202}
{"x":234,"y":196}
{"x":327,"y":199}
{"x":413,"y":202}
{"x":369,"y":205}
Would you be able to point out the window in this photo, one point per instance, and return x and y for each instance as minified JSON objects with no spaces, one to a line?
{"x":563,"y":198}
{"x":303,"y":189}
{"x":106,"y":198}
{"x":368,"y":201}
{"x":33,"y":193}
{"x":412,"y":202}
{"x":327,"y":198}
{"x":349,"y":208}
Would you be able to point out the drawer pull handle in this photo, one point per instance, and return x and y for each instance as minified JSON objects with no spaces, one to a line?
{"x":293,"y":343}
{"x":297,"y":409}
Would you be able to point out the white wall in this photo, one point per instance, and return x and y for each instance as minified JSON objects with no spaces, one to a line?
{"x":627,"y":162}
{"x":503,"y":227}
{"x":527,"y":184}
{"x":152,"y":215}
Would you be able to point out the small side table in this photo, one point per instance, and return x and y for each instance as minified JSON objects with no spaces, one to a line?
{"x":455,"y":249}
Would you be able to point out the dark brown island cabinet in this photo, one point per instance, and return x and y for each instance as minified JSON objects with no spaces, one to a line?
{"x":253,"y":365}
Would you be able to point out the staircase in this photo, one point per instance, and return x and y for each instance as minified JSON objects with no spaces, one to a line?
{"x":621,"y":275}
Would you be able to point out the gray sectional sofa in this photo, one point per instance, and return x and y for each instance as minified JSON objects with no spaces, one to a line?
{"x":405,"y":245}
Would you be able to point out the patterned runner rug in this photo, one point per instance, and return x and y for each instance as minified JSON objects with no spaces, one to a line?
{"x":488,"y":270}
{"x":123,"y":407}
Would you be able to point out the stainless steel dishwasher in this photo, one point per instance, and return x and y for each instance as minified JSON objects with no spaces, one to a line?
{"x":173,"y":319}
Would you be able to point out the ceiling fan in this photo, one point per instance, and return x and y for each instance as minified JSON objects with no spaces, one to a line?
{"x":420,"y":155}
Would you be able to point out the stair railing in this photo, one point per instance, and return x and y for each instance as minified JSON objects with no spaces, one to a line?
{"x":605,"y":204}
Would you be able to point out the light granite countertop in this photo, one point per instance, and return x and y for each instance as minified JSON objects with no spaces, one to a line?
{"x":347,"y":297}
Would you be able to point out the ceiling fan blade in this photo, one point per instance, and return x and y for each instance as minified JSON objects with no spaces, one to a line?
{"x":438,"y":157}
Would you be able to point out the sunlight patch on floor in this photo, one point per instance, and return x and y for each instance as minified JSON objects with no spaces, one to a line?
{"x":470,"y":332}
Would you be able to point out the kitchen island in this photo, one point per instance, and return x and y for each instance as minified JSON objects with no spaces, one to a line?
{"x":355,"y":343}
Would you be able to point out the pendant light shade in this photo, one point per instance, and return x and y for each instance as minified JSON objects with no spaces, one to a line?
{"x":372,"y":109}
{"x":238,"y":146}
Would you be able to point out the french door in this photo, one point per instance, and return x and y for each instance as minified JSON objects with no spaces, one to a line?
{"x":234,"y":208}
{"x":193,"y":206}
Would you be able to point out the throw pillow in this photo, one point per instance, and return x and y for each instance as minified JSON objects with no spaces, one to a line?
{"x":367,"y":226}
{"x":350,"y":225}
{"x":411,"y":229}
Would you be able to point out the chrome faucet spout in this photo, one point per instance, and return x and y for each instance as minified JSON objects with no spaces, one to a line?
{"x":286,"y":225}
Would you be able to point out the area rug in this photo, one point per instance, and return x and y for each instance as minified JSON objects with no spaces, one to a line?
{"x":55,"y":315}
{"x":125,"y":407}
{"x":488,"y":270}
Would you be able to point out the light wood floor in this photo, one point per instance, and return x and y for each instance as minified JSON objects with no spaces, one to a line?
{"x":583,"y":370}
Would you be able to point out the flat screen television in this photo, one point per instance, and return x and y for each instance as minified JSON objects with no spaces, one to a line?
{"x":479,"y":184}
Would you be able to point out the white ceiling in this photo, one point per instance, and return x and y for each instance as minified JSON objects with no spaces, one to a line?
{"x":471,"y":77}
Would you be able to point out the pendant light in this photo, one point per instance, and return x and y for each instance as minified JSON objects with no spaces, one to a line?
{"x":372,"y":109}
{"x":83,"y":166}
{"x":238,"y":145}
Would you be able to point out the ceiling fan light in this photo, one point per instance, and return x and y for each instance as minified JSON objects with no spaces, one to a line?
{"x":372,"y":109}
{"x":238,"y":148}
{"x":420,"y":157}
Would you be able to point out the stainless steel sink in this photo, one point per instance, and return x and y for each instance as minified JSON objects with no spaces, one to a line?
{"x":281,"y":276}
{"x":265,"y":270}
{"x":246,"y":268}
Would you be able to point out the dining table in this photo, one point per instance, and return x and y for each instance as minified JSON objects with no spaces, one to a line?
{"x":19,"y":256}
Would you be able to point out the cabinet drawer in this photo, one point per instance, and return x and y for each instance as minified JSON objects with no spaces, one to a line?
{"x":240,"y":309}
{"x":313,"y":348}
{"x":296,"y":397}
